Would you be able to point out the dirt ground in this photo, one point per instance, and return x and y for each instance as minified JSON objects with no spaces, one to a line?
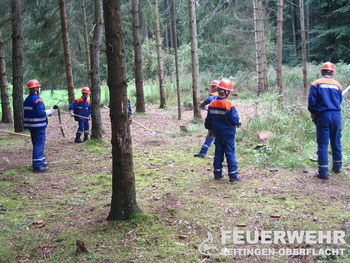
{"x":303,"y":197}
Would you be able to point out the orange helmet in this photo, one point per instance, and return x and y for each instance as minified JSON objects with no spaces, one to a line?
{"x":328,"y":66}
{"x":226,"y":85}
{"x":85,"y":90}
{"x":214,"y":83}
{"x":33,"y":83}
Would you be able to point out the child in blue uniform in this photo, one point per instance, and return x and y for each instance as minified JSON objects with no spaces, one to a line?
{"x":209,"y":139}
{"x":35,"y":119}
{"x":221,"y":121}
{"x":325,"y":97}
{"x":81,"y":106}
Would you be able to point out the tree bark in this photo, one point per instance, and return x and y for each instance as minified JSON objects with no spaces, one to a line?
{"x":123,"y":203}
{"x":86,"y":42}
{"x":166,"y":19}
{"x":195,"y":63}
{"x":279,"y":49}
{"x":303,"y":44}
{"x":260,"y":46}
{"x":17,"y":65}
{"x":160,"y":59}
{"x":294,"y":26}
{"x":96,"y":129}
{"x":69,"y":74}
{"x":140,"y":100}
{"x":5,"y":99}
{"x":174,"y":41}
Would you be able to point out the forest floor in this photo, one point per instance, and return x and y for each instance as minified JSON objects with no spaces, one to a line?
{"x":42,"y":215}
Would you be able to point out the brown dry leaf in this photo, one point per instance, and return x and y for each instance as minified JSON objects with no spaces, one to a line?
{"x":142,"y":234}
{"x":241,"y":225}
{"x":275,"y":216}
{"x":39,"y":224}
{"x":182,"y":236}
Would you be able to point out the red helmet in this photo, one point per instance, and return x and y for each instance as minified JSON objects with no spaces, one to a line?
{"x":33,"y":83}
{"x":226,"y":85}
{"x":328,"y":66}
{"x":214,"y":83}
{"x":85,"y":90}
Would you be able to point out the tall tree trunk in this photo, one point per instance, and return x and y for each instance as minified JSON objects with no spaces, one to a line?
{"x":123,"y":203}
{"x":303,"y":44}
{"x":166,"y":19}
{"x":307,"y":28}
{"x":96,"y":130}
{"x":17,"y":64}
{"x":86,"y":40}
{"x":195,"y":63}
{"x":260,"y":46}
{"x":174,"y":41}
{"x":5,"y":100}
{"x":294,"y":26}
{"x":140,"y":100}
{"x":69,"y":74}
{"x":279,"y":49}
{"x":160,"y":59}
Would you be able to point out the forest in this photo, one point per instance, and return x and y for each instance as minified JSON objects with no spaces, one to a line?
{"x":145,"y":182}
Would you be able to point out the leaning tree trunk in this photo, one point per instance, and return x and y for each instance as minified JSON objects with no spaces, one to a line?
{"x":195,"y":63}
{"x":279,"y":49}
{"x":69,"y":74}
{"x":5,"y":100}
{"x":17,"y":65}
{"x":86,"y":41}
{"x":123,"y":203}
{"x":140,"y":100}
{"x":260,"y":46}
{"x":174,"y":41}
{"x":160,"y":59}
{"x":96,"y":129}
{"x":303,"y":44}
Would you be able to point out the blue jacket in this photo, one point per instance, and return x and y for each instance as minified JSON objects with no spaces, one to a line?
{"x":81,"y":107}
{"x":129,"y":106}
{"x":325,"y":94}
{"x":34,"y":112}
{"x":222,"y":118}
{"x":210,"y":98}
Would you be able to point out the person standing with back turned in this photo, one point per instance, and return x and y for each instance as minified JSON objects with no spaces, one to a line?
{"x":325,"y":97}
{"x":221,"y":121}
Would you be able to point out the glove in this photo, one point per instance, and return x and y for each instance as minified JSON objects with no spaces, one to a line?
{"x":55,"y":107}
{"x":71,"y":112}
{"x":203,"y":105}
{"x":49,"y":112}
{"x":238,"y":125}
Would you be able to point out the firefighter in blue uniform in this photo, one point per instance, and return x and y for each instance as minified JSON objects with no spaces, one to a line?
{"x":35,"y":119}
{"x":129,"y":109}
{"x":81,"y":106}
{"x":221,"y":121}
{"x":325,"y":97}
{"x":209,"y":139}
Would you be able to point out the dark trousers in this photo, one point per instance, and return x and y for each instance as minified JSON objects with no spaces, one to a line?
{"x":328,"y":126}
{"x":38,"y":141}
{"x":225,"y":147}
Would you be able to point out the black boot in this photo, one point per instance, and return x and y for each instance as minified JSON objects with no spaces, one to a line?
{"x":77,"y":139}
{"x":86,"y":136}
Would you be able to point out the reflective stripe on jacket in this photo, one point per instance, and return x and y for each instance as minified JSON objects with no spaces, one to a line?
{"x":222,"y":118}
{"x":34,"y":112}
{"x":325,"y":94}
{"x":81,"y":107}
